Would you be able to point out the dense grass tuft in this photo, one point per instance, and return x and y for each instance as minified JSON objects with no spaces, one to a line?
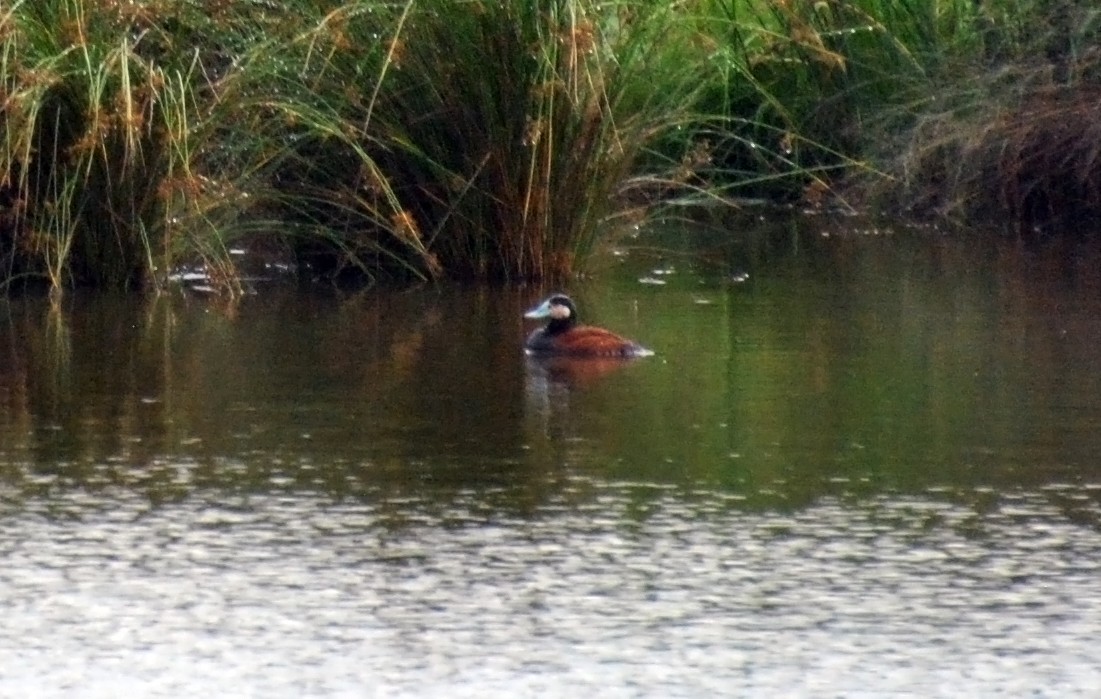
{"x":1002,"y":127}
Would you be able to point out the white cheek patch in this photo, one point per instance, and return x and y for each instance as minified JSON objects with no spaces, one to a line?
{"x":560,"y":312}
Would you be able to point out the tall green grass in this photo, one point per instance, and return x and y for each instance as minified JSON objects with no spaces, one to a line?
{"x":507,"y":140}
{"x":487,"y":140}
{"x":106,"y":157}
{"x":517,"y":169}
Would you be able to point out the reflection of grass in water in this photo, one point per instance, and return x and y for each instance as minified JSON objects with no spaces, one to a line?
{"x":57,"y":351}
{"x":897,"y":367}
{"x":903,"y":363}
{"x":89,"y":382}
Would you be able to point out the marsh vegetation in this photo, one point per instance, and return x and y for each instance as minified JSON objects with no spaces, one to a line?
{"x":506,"y":140}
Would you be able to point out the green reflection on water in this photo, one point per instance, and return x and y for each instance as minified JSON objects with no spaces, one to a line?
{"x":844,"y":364}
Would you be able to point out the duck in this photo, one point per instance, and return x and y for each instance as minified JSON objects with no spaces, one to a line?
{"x":564,"y":336}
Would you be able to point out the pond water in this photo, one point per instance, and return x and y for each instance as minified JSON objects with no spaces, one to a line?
{"x":860,"y":464}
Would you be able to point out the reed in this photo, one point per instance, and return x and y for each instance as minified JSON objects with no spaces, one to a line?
{"x":97,"y":127}
{"x":505,"y":132}
{"x":508,"y":140}
{"x":72,"y":162}
{"x":328,"y":187}
{"x":804,"y":87}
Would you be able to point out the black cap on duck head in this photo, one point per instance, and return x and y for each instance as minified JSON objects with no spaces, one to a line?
{"x":558,"y":307}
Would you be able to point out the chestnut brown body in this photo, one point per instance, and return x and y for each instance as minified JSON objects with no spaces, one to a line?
{"x":564,"y":336}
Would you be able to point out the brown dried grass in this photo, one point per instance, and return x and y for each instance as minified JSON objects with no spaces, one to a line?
{"x":1027,"y":157}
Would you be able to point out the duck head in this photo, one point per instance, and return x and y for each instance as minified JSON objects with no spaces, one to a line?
{"x":558,"y":307}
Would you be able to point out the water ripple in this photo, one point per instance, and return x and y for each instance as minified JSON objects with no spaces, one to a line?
{"x":633,"y":592}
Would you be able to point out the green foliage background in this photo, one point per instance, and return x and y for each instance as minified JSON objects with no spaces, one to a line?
{"x":507,"y":140}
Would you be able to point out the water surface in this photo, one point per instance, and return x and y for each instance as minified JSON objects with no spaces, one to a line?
{"x":860,"y":464}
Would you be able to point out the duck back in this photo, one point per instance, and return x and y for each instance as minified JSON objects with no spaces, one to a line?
{"x":583,"y":341}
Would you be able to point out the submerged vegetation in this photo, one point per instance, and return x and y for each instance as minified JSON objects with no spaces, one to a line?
{"x":505,"y":140}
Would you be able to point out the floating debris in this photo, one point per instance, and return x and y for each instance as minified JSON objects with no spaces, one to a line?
{"x":189,"y":276}
{"x":651,"y":280}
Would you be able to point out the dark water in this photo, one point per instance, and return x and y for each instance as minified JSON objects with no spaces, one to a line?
{"x":870,"y":468}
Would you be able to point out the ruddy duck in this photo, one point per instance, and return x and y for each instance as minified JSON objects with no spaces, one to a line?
{"x":563,"y":336}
